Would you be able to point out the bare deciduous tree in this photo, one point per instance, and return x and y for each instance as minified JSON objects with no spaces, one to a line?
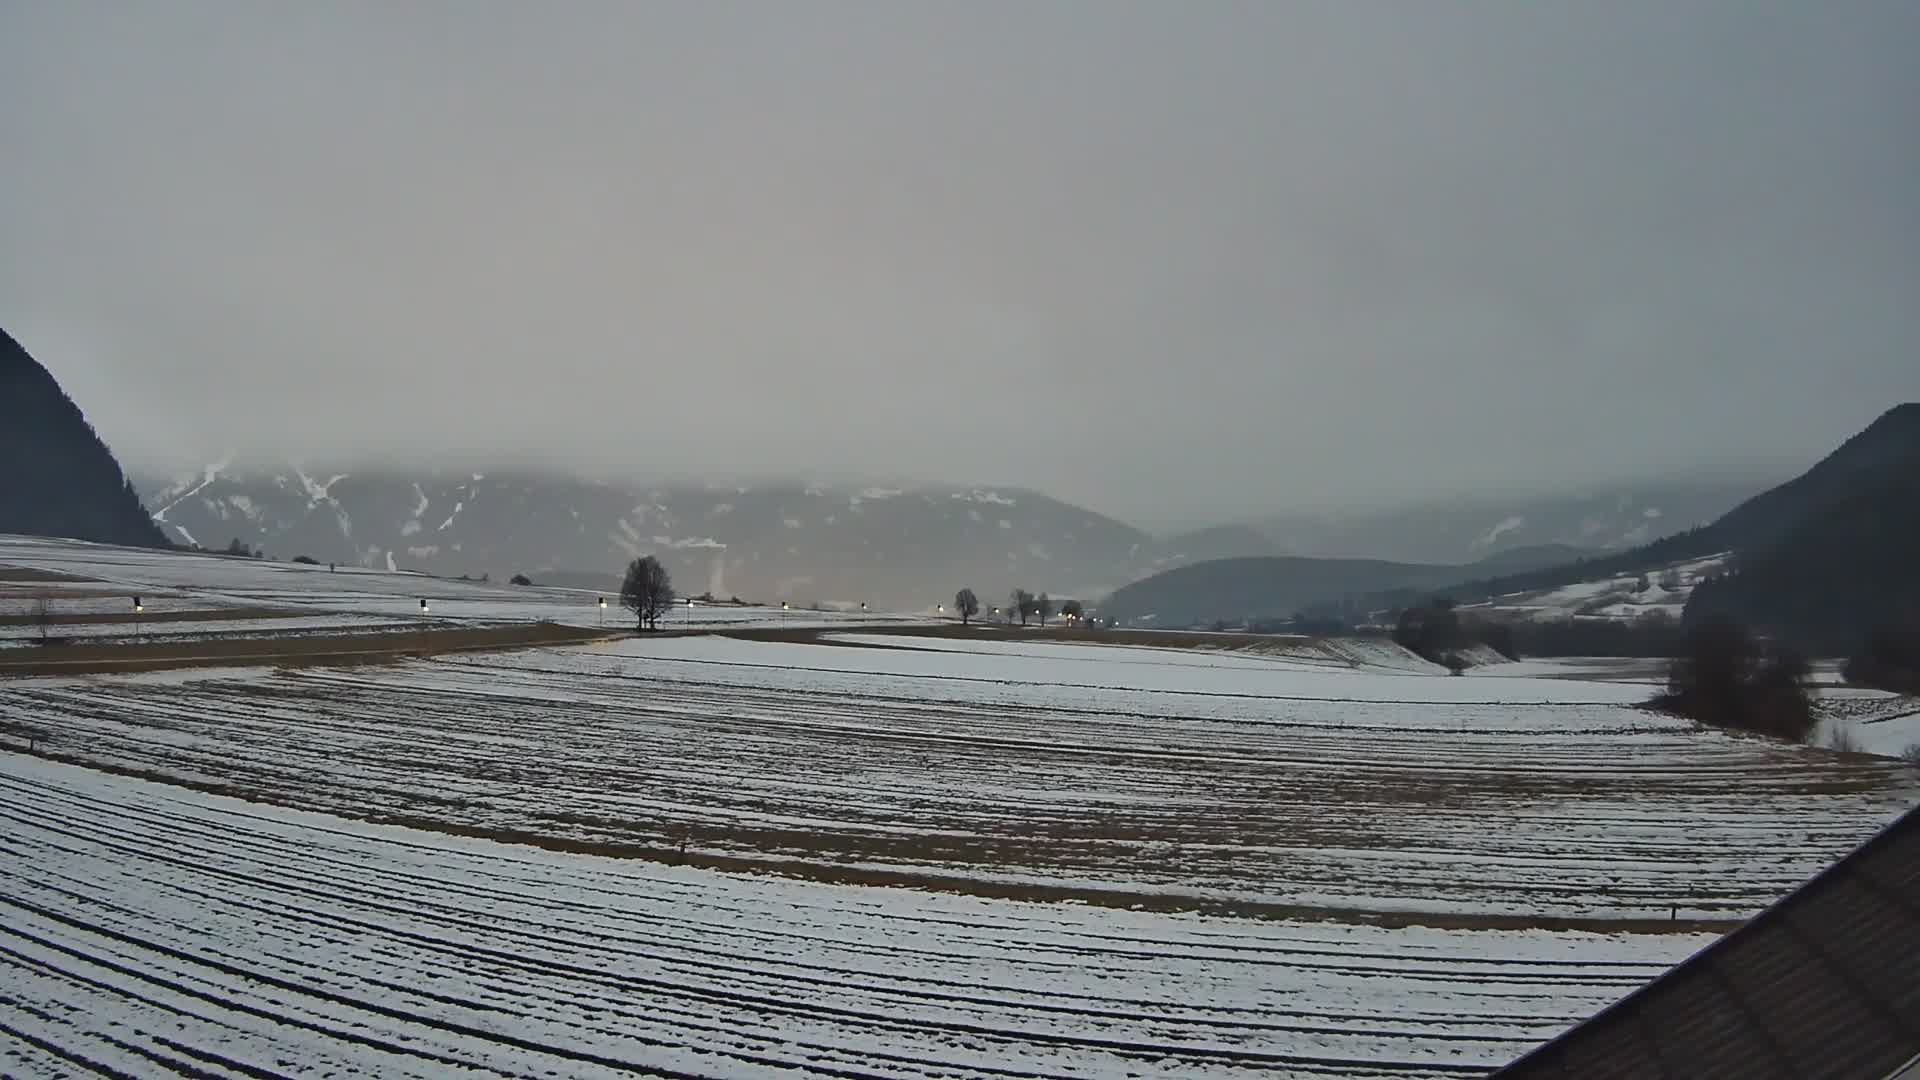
{"x":1020,"y":602}
{"x":967,"y":604}
{"x":647,"y":591}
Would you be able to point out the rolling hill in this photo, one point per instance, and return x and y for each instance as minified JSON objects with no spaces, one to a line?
{"x":1278,"y":586}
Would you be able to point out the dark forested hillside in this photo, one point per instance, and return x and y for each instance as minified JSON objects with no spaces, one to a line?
{"x":1278,"y":586}
{"x":1849,"y":569}
{"x":56,"y":477}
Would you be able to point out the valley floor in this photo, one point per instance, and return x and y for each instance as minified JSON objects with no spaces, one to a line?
{"x":148,"y":929}
{"x":853,"y":853}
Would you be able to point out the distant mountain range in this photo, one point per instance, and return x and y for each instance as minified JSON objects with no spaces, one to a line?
{"x":1465,"y":530}
{"x":819,"y":543}
{"x":838,"y":544}
{"x":56,"y":477}
{"x":1820,"y":560}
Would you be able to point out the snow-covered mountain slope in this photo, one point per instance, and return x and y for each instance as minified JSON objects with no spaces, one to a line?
{"x":1661,"y":590}
{"x":830,"y":544}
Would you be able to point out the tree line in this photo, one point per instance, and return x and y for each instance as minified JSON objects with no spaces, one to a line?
{"x":1021,"y":605}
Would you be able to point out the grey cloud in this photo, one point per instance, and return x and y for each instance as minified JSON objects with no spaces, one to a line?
{"x":1170,"y":260}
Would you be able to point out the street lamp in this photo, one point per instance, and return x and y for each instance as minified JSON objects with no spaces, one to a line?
{"x":603,"y":613}
{"x":137,"y":609}
{"x":689,"y":612}
{"x":783,"y":613}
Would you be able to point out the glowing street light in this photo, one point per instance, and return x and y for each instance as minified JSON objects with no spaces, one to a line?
{"x":689,"y":612}
{"x":137,"y":609}
{"x":603,"y":613}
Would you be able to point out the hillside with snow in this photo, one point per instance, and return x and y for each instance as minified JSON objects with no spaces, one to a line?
{"x":812,"y":543}
{"x":1661,"y":590}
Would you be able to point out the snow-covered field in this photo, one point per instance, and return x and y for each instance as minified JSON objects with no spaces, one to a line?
{"x":1159,"y":776}
{"x":103,"y":579}
{"x":867,"y":855}
{"x":149,"y":929}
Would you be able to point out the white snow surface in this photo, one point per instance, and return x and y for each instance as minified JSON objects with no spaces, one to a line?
{"x":142,"y":925}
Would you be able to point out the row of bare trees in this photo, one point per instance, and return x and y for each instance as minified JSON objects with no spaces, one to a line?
{"x":1021,"y":604}
{"x":647,"y":591}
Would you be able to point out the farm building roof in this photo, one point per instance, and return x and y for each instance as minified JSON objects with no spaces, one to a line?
{"x":1826,"y":982}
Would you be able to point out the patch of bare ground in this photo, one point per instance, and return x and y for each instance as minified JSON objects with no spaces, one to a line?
{"x":288,"y":651}
{"x":128,"y":618}
{"x":25,"y":573}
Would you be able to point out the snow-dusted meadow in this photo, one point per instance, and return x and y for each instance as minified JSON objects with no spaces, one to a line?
{"x":96,"y":579}
{"x":869,"y":854}
{"x":1178,"y":777}
{"x":148,"y":929}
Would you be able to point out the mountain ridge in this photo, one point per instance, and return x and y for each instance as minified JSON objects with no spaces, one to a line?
{"x":59,"y":478}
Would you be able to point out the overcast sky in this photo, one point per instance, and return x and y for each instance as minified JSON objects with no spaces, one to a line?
{"x":1168,"y":259}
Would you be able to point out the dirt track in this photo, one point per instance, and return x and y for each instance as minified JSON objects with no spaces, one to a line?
{"x":292,"y":651}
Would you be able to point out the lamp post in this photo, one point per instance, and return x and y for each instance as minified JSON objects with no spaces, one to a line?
{"x":423,"y":626}
{"x":689,"y":612}
{"x":138,"y":608}
{"x":940,"y":610}
{"x":783,"y":613}
{"x":603,"y":613}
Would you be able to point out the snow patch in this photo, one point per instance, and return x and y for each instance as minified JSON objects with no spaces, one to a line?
{"x":689,"y":542}
{"x":1494,"y":534}
{"x":207,"y":477}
